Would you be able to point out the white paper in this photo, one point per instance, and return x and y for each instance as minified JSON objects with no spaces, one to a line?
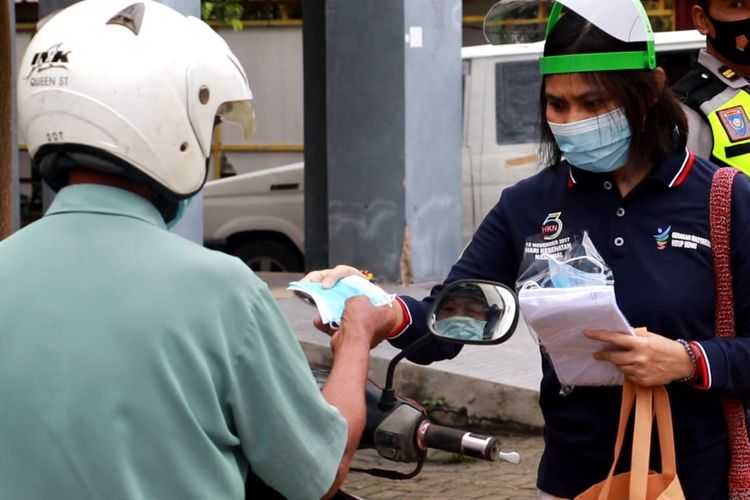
{"x":332,"y":301}
{"x":415,"y":37}
{"x":559,"y":316}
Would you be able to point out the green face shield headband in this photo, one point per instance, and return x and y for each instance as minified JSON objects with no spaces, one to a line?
{"x":520,"y":21}
{"x":604,"y":61}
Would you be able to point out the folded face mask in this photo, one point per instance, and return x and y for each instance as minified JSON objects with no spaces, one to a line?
{"x":460,"y":327}
{"x":569,"y":273}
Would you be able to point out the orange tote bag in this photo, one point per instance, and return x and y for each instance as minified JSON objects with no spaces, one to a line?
{"x":640,"y":483}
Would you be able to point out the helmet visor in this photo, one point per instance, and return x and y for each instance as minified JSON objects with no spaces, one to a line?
{"x":240,"y":113}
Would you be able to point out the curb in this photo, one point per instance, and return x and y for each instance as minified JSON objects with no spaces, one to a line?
{"x":453,"y":399}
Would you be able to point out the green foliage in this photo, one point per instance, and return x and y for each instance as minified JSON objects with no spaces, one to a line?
{"x":433,"y":403}
{"x":457,"y":458}
{"x":225,"y":12}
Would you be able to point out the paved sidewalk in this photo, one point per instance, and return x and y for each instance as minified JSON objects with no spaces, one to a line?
{"x":444,"y":476}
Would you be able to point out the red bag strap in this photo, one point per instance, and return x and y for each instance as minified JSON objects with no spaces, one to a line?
{"x":720,"y":215}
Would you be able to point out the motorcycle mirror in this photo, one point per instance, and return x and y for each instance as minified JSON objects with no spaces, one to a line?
{"x":474,"y":312}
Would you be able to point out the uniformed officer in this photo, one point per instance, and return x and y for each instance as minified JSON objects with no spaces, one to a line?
{"x":715,"y":92}
{"x":133,"y":362}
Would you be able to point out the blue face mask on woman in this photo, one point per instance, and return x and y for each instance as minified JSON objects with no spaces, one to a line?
{"x":597,"y":144}
{"x":460,"y":327}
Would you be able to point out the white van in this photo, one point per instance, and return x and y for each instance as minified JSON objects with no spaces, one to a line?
{"x":260,"y":216}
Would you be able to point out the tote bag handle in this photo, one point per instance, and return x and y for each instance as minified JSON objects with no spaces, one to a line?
{"x":650,"y":403}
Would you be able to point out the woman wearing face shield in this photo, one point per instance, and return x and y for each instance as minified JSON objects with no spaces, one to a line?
{"x":613,"y":138}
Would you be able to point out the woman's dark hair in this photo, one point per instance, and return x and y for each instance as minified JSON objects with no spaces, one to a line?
{"x":657,"y":122}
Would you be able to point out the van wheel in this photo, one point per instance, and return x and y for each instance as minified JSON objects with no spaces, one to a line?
{"x":269,"y":256}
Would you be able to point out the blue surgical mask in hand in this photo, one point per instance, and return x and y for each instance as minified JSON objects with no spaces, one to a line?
{"x":331,"y":302}
{"x":566,"y":274}
{"x":598,"y":144}
{"x":460,"y":327}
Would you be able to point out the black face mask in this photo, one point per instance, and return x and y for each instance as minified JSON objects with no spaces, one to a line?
{"x":732,"y":40}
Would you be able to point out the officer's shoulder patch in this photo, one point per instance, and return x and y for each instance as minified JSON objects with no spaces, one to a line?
{"x":728,"y":73}
{"x":735,"y":122}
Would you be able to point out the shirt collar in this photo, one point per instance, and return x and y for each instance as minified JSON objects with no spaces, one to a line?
{"x":671,"y":172}
{"x":100,"y":199}
{"x":714,"y":65}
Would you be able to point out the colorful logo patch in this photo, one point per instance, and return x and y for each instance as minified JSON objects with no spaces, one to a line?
{"x":662,"y":237}
{"x":735,"y":122}
{"x":552,"y":226}
{"x":741,"y":42}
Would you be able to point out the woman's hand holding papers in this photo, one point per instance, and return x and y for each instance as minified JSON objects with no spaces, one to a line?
{"x":328,"y":277}
{"x":646,"y":359}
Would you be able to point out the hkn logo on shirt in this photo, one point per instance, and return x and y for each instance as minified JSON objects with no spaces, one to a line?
{"x":552,"y":226}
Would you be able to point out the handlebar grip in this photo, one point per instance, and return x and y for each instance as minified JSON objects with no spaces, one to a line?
{"x":457,"y":441}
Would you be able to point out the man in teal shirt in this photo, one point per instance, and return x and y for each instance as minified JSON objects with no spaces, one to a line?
{"x":134,"y":363}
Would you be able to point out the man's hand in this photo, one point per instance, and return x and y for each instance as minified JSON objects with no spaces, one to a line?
{"x":363,"y":321}
{"x":362,"y":327}
{"x":646,"y":359}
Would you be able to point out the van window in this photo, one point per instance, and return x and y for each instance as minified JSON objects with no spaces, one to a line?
{"x":676,"y":63}
{"x":517,"y":87}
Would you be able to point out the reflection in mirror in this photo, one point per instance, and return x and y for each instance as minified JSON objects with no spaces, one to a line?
{"x":474,"y":312}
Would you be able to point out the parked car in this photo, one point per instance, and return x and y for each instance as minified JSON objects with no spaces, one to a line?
{"x":259,"y":216}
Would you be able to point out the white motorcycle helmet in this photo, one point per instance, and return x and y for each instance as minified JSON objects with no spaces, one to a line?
{"x":130,"y":88}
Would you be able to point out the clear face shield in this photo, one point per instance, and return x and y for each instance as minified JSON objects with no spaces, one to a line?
{"x":517,"y":21}
{"x":529,"y":21}
{"x":241,"y":114}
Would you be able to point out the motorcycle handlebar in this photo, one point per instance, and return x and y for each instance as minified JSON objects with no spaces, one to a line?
{"x":443,"y":438}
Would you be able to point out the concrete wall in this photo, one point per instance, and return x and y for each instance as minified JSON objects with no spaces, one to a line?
{"x":389,"y":137}
{"x":366,"y":140}
{"x":433,"y":130}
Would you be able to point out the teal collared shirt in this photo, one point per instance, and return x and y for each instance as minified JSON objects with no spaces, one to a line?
{"x":135,"y":364}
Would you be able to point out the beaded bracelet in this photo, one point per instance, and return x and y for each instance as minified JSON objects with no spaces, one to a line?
{"x":689,"y":349}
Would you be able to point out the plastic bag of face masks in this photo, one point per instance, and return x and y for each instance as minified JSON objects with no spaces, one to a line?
{"x":563,"y":290}
{"x":563,"y":263}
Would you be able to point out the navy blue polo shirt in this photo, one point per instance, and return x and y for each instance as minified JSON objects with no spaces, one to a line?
{"x":656,"y":241}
